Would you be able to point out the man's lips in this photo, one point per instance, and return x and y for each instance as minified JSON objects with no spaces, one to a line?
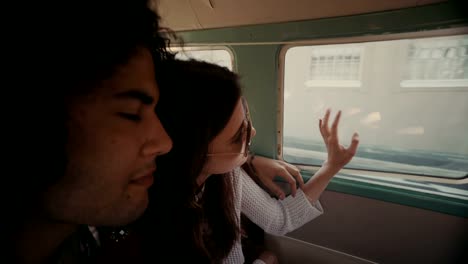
{"x":145,"y":179}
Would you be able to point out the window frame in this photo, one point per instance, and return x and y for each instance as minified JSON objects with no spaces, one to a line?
{"x":350,"y":40}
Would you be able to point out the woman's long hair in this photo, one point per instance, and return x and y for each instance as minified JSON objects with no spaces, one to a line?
{"x":197,"y":100}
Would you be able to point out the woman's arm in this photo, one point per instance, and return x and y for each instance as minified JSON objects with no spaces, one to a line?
{"x":264,"y":170}
{"x":274,"y":216}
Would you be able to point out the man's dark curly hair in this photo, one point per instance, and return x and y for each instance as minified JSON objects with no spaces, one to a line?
{"x":92,"y":38}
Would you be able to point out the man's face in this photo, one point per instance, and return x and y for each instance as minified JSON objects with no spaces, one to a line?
{"x":114,"y":137}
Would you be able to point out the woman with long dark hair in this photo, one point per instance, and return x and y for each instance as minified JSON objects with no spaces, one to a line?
{"x":200,"y":190}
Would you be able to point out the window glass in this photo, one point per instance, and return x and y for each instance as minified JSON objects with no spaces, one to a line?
{"x":407,"y":98}
{"x":338,"y":66}
{"x":220,"y":57}
{"x":437,"y":62}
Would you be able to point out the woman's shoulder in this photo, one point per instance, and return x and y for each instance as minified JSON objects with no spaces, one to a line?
{"x":237,"y":171}
{"x":237,"y":175}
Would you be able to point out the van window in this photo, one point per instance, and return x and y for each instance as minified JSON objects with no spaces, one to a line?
{"x":407,"y":98}
{"x":221,"y":57}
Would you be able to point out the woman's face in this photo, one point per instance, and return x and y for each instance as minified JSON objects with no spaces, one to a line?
{"x":229,"y":148}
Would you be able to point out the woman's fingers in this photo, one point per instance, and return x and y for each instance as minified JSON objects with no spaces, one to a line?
{"x":296,"y":173}
{"x":354,"y":144}
{"x":326,"y":130}
{"x":334,"y":128}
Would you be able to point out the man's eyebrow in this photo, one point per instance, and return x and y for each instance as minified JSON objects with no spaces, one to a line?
{"x":139,"y":95}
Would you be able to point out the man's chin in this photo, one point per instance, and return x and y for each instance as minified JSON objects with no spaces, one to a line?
{"x":124,"y":216}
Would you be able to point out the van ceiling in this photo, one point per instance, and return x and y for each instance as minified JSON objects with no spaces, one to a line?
{"x":182,"y":15}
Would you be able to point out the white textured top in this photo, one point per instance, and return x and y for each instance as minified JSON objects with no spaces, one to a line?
{"x":276,"y":217}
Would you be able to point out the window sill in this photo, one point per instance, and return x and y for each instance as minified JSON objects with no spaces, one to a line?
{"x":455,"y":205}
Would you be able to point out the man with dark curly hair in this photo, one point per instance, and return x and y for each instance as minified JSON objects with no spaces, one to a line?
{"x":84,"y":153}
